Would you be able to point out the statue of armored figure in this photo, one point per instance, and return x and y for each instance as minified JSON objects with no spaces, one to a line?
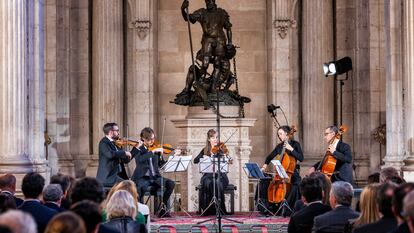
{"x":216,"y":49}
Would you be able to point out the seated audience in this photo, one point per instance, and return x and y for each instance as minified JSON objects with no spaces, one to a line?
{"x":326,"y":188}
{"x":52,"y":197}
{"x":8,"y":186}
{"x":397,"y":206}
{"x":409,"y":210}
{"x":90,"y":212}
{"x":312,"y":194}
{"x":374,"y":178}
{"x":391,"y":174}
{"x":65,"y":183}
{"x":18,"y":222}
{"x":340,"y":200}
{"x":66,"y":222}
{"x":7,"y":202}
{"x":32,"y":186}
{"x":121,"y":210}
{"x":369,"y":208}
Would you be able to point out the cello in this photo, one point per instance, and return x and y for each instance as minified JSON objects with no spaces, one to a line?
{"x":328,"y":163}
{"x":280,"y":185}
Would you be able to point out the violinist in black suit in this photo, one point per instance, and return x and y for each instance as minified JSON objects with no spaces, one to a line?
{"x":342,"y":153}
{"x":111,"y":158}
{"x":148,"y":161}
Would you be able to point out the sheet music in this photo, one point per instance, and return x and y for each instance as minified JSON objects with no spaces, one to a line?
{"x":210,"y":165}
{"x":279,"y":169}
{"x":177,"y":163}
{"x":253,"y":171}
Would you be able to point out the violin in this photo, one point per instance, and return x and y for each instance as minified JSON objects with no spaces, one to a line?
{"x":220,"y":148}
{"x":127,"y":142}
{"x":328,"y":163}
{"x":166,"y":148}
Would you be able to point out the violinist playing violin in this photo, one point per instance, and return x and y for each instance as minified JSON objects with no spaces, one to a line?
{"x":111,"y":158}
{"x":207,"y":180}
{"x":148,"y":159}
{"x":341,"y":152}
{"x":292,"y":151}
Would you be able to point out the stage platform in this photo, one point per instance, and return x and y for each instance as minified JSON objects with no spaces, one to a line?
{"x":248,"y":223}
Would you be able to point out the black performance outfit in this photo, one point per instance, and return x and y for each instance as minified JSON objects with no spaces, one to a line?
{"x":343,"y":168}
{"x":207,"y":189}
{"x":147,"y":173}
{"x":294,"y":194}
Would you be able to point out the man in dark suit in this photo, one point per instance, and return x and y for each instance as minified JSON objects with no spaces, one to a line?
{"x":52,"y":197}
{"x":340,"y":200}
{"x":302,"y":221}
{"x":32,"y":187}
{"x":147,"y":170}
{"x":8,"y":186}
{"x":342,"y":152}
{"x":111,"y":158}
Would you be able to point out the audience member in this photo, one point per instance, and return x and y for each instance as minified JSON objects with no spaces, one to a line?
{"x":369,"y":208}
{"x":8,"y":186}
{"x":65,"y":183}
{"x":391,"y":174}
{"x":4,"y":229}
{"x":409,"y":210}
{"x":87,"y":188}
{"x":66,"y":222}
{"x":374,"y":178}
{"x":90,"y":212}
{"x":121,"y":210}
{"x":340,"y":200}
{"x":18,"y":222}
{"x":312,"y":194}
{"x":52,"y":197}
{"x":326,"y":188}
{"x":32,"y":186}
{"x":7,"y":202}
{"x":397,"y":206}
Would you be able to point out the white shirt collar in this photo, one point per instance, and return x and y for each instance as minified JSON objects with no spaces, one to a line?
{"x":110,"y":139}
{"x":314,"y":202}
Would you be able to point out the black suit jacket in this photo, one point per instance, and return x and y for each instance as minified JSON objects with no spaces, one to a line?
{"x":302,"y":221}
{"x":17,"y":200}
{"x":384,"y":225}
{"x":343,"y":168}
{"x":109,"y":163}
{"x":54,"y":206}
{"x":39,"y":212}
{"x":142,"y":159}
{"x":334,"y":220}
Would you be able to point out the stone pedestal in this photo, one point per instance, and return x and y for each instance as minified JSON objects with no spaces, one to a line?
{"x":234,"y":132}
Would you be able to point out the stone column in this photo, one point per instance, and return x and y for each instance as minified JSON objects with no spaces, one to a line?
{"x":317,"y":91}
{"x":21,"y":88}
{"x":141,"y":65}
{"x":107,"y":68}
{"x":394,"y":86}
{"x":409,"y":90}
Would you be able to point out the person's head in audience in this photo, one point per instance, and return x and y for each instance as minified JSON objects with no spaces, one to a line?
{"x":409,"y":210}
{"x":388,"y":173}
{"x":53,"y":193}
{"x":8,"y":183}
{"x":326,"y":186}
{"x":63,"y":181}
{"x":397,"y":200}
{"x":5,"y":229}
{"x":18,"y":221}
{"x":374,"y":178}
{"x":384,"y":198}
{"x":87,"y":188}
{"x":126,"y":185}
{"x":121,"y":204}
{"x":311,"y":189}
{"x":32,"y":185}
{"x":6,"y":202}
{"x":341,"y":194}
{"x":368,"y":204}
{"x":90,"y":212}
{"x":66,"y":222}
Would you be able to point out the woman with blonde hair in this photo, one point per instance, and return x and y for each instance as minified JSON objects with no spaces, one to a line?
{"x":369,"y":208}
{"x":121,"y":210}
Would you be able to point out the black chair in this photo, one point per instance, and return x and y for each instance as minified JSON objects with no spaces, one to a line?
{"x":152,"y":190}
{"x":229,"y":189}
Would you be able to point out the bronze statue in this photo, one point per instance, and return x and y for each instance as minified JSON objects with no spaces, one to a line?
{"x":216,"y":49}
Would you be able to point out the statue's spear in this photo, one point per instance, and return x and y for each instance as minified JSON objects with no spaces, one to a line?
{"x":191,"y":43}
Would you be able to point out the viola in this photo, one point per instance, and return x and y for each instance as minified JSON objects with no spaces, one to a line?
{"x":127,"y":142}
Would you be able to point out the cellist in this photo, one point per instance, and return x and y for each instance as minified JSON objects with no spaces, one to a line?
{"x":293,"y":149}
{"x":341,"y":152}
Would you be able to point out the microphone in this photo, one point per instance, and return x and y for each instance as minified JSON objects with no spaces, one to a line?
{"x":271,"y":108}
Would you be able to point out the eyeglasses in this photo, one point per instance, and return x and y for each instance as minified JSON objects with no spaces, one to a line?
{"x":327,"y":133}
{"x":117,"y":130}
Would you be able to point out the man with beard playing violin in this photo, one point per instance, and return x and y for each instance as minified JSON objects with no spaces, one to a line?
{"x":148,"y":161}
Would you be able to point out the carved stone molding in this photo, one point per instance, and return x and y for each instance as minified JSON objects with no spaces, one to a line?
{"x":143,"y":27}
{"x":283,"y":21}
{"x":140,"y":17}
{"x":380,"y":134}
{"x":282,"y":26}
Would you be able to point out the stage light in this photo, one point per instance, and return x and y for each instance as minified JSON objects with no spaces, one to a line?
{"x":337,"y":67}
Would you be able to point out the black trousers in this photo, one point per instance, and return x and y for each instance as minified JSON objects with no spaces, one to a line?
{"x":146,"y":181}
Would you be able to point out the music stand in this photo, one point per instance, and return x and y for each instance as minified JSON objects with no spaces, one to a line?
{"x":254,"y":173}
{"x":177,"y":163}
{"x":280,"y":170}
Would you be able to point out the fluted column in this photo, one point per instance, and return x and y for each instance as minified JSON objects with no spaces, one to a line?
{"x":409,"y":99}
{"x":21,"y":87}
{"x":394,"y":85}
{"x":107,"y":66}
{"x":317,"y":91}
